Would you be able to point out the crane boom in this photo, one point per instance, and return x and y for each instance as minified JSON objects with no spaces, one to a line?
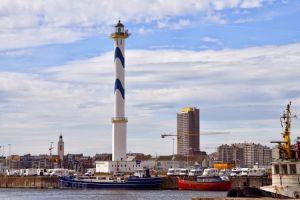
{"x":203,"y":133}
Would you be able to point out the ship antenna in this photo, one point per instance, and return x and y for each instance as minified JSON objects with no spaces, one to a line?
{"x":286,"y":118}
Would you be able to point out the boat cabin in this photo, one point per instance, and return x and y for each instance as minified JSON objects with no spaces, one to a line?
{"x":142,"y":173}
{"x":286,"y":172}
{"x":210,"y":172}
{"x":212,"y":179}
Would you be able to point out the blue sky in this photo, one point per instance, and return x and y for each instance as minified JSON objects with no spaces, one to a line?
{"x":236,"y":60}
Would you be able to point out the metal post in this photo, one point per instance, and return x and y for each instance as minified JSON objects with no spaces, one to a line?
{"x":173,"y":153}
{"x":187,"y":160}
{"x":9,"y":154}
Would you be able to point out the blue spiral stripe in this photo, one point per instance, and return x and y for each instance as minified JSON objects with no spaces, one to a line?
{"x":118,"y":86}
{"x":118,"y":54}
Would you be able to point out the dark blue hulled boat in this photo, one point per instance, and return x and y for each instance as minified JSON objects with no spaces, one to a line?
{"x":132,"y":182}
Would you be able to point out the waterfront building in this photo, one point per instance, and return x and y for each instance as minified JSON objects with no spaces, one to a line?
{"x":238,"y":154}
{"x":188,"y":130}
{"x":250,"y":154}
{"x":245,"y":154}
{"x":225,"y":154}
{"x":275,"y":153}
{"x":61,"y":148}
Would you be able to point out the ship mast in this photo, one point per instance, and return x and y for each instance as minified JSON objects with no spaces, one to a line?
{"x":285,"y":146}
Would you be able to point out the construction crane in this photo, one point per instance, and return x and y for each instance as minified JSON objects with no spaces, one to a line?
{"x":203,"y":133}
{"x":50,"y":148}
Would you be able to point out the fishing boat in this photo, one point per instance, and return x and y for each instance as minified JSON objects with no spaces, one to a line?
{"x":137,"y":181}
{"x":285,"y":170}
{"x":208,"y":181}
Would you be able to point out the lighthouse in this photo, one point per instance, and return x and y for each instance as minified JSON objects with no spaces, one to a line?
{"x":119,"y":121}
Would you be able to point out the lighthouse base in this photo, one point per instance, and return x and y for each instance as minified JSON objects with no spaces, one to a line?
{"x":119,"y":135}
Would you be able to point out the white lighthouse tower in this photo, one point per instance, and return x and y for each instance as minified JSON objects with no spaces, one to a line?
{"x":119,"y":121}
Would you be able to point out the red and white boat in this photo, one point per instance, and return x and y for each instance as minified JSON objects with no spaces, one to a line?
{"x":213,"y":183}
{"x":209,"y":181}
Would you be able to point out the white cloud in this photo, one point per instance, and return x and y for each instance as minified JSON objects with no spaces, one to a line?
{"x":211,"y":40}
{"x":35,"y":22}
{"x":254,"y":3}
{"x":180,"y":24}
{"x":231,"y":87}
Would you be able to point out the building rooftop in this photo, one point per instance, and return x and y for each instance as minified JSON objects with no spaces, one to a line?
{"x":187,"y":109}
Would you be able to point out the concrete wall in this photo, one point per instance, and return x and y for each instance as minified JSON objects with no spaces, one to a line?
{"x":169,"y":182}
{"x":28,"y":182}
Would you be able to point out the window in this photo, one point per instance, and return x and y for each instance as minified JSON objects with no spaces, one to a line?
{"x":276,"y":169}
{"x":293,"y":169}
{"x":284,"y":169}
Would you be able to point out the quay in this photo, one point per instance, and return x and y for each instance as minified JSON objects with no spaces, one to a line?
{"x":37,"y":182}
{"x":168,"y":182}
{"x":228,"y":198}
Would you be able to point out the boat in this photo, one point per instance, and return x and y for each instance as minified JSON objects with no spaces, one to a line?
{"x":208,"y":181}
{"x":285,"y":169}
{"x":137,"y":181}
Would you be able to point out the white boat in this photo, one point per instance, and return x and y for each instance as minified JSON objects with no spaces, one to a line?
{"x":286,"y":170}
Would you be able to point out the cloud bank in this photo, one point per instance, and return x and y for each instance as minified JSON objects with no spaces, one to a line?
{"x":243,"y":91}
{"x":34,"y":23}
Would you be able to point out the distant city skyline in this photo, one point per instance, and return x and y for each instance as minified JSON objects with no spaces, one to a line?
{"x":238,"y":61}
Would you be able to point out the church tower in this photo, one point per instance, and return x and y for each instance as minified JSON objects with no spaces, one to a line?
{"x":60,"y":148}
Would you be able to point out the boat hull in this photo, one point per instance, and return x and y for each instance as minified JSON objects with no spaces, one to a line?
{"x":134,"y":184}
{"x":204,"y":186}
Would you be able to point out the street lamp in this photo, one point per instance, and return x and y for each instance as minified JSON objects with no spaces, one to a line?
{"x":173,"y":158}
{"x":9,"y":154}
{"x":187,"y":157}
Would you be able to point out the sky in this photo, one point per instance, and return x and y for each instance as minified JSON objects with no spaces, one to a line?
{"x":238,"y":61}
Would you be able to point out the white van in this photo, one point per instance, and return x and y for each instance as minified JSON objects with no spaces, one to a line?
{"x":244,"y":172}
{"x":210,"y":172}
{"x":90,"y":172}
{"x":173,"y":171}
{"x":59,"y":172}
{"x":257,"y":172}
{"x":29,"y":172}
{"x":224,"y":172}
{"x":195,"y":172}
{"x":41,"y":172}
{"x":183,"y":172}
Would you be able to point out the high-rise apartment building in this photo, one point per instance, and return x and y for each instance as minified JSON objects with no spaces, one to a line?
{"x":188,"y":131}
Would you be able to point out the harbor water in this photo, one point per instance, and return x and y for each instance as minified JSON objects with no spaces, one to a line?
{"x":47,"y":194}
